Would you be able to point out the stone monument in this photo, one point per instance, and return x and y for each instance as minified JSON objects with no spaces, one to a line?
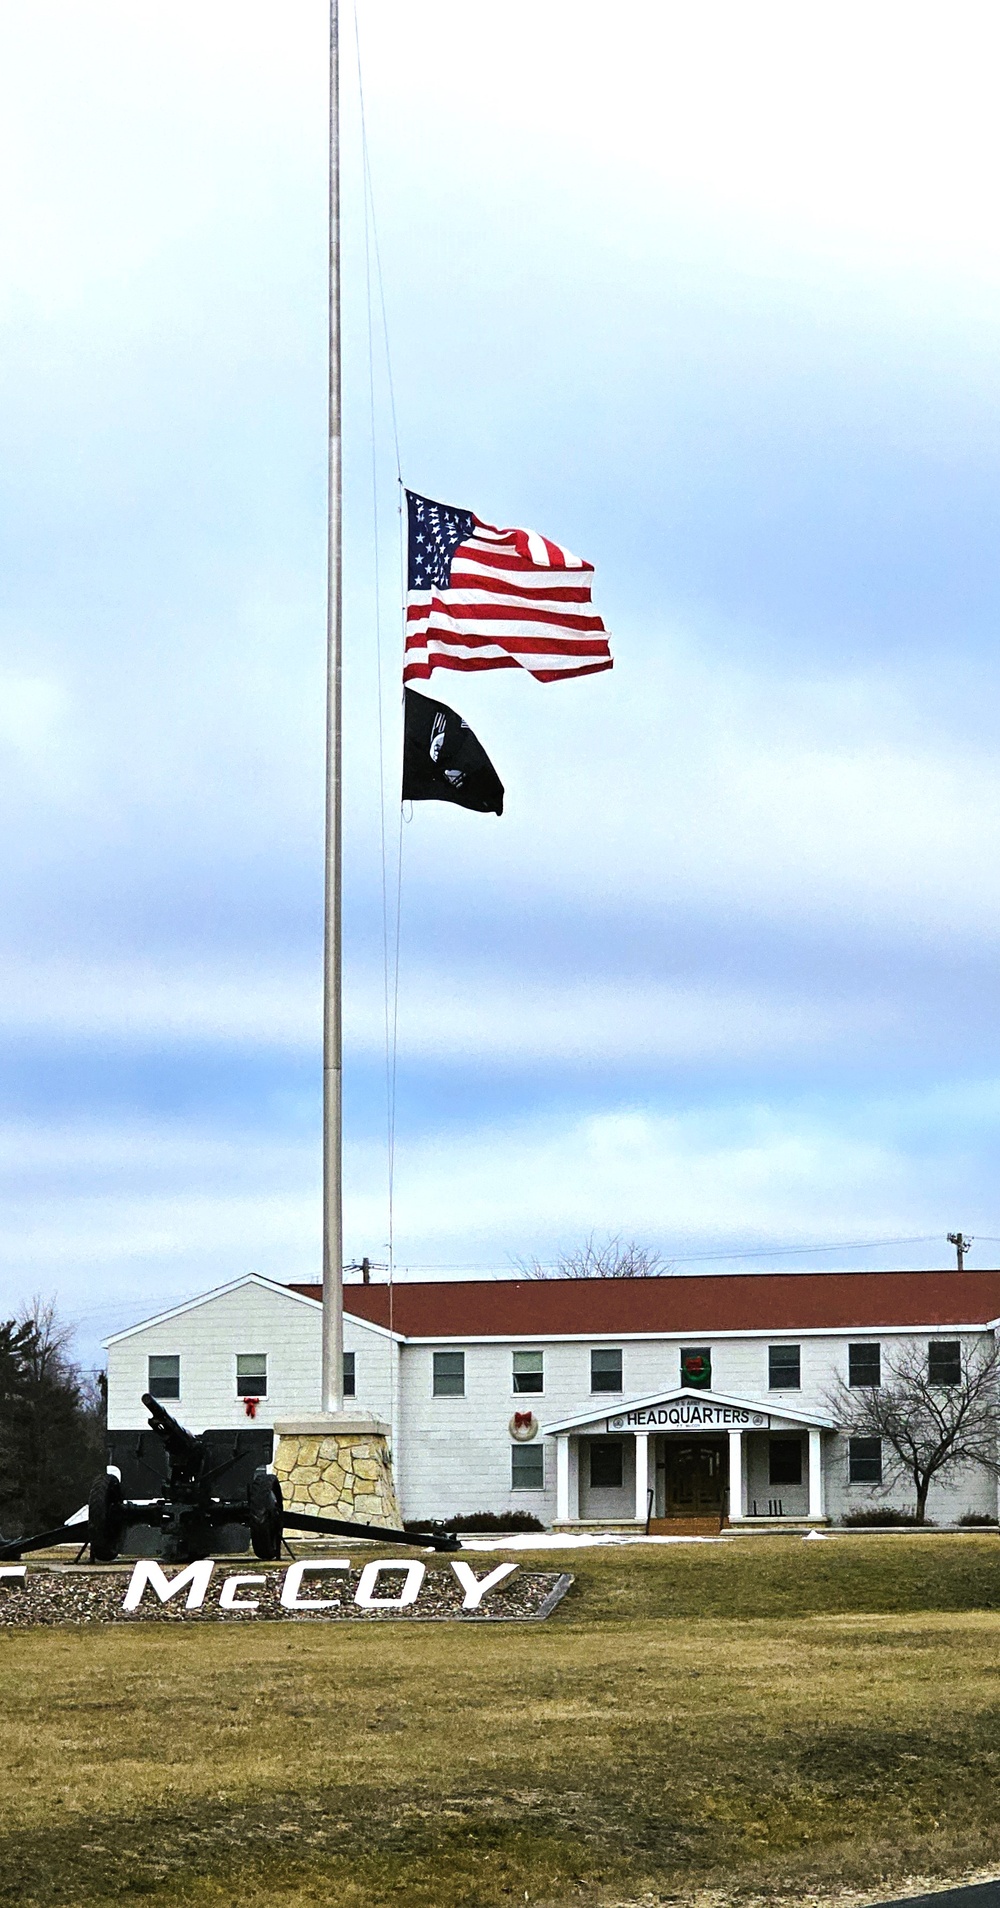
{"x":337,"y":1465}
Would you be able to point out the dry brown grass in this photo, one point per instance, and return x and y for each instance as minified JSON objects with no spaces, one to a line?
{"x":615,"y":1754}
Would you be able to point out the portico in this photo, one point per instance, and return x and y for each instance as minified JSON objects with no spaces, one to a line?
{"x":688,"y":1454}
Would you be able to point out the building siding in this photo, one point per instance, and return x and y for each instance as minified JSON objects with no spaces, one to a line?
{"x":453,"y":1454}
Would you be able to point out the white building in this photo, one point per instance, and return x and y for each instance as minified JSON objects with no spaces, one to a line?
{"x":607,"y":1401}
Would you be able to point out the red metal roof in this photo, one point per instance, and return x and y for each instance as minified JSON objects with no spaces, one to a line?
{"x":698,"y":1306}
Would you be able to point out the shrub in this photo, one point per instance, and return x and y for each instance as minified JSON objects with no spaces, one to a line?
{"x":478,"y":1520}
{"x":884,"y":1518}
{"x":977,"y":1517}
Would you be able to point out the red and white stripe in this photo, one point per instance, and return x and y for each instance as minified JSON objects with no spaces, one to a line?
{"x":515,"y":601}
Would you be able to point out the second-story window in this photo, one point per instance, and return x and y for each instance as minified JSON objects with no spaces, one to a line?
{"x":350,"y":1376}
{"x":165,"y":1376}
{"x":784,"y":1368}
{"x":696,"y":1367}
{"x":529,"y":1371}
{"x":449,"y":1374}
{"x":944,"y":1361}
{"x":251,"y":1375}
{"x":605,"y":1370}
{"x":864,"y":1366}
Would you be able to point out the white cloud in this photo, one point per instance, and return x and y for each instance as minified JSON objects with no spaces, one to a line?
{"x":447,"y":1014}
{"x":686,"y":780}
{"x":702,"y":1180}
{"x":125,"y":1003}
{"x":34,"y":725}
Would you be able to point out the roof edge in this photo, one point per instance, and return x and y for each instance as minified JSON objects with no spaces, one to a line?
{"x":205,"y":1298}
{"x":674,"y":1392}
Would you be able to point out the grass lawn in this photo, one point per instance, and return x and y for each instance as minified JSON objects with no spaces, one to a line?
{"x":764,"y":1718}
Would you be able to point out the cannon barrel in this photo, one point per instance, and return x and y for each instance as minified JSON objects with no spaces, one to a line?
{"x":180,"y":1442}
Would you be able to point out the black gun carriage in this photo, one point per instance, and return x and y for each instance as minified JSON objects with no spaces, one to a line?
{"x":213,"y":1495}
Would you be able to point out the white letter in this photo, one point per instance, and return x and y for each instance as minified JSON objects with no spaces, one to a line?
{"x":415,"y":1574}
{"x":228,"y":1600}
{"x":293,"y":1583}
{"x":198,"y":1575}
{"x":476,"y":1587}
{"x":13,"y":1570}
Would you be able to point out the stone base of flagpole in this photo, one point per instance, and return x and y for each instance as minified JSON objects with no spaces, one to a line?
{"x":337,"y":1464}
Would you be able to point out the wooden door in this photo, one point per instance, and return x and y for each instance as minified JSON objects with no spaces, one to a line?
{"x":695,"y":1483}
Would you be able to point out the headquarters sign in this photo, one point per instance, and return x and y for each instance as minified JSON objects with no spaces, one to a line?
{"x":690,"y":1414}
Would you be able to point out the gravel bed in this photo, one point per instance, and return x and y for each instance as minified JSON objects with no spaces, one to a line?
{"x":58,"y":1594}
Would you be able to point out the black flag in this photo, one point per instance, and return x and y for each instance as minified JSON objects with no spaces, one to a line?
{"x":442,"y":760}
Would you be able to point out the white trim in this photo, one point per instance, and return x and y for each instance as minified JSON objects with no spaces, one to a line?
{"x":772,"y":1335}
{"x":206,"y":1298}
{"x":817,"y":1496}
{"x":562,"y":1480}
{"x":737,"y":1477}
{"x":236,"y":1285}
{"x":622,"y":1406}
{"x":641,"y":1476}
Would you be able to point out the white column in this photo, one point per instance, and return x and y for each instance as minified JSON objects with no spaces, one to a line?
{"x":641,"y":1476}
{"x":817,"y":1507}
{"x":737,"y":1501}
{"x":562,"y":1478}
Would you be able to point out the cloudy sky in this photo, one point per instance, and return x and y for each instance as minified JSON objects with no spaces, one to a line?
{"x":711,"y":295}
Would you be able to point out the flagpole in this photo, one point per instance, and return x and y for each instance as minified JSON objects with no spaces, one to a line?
{"x":333,"y":1217}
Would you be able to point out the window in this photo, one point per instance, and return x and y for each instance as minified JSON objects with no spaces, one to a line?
{"x":785,"y":1461}
{"x":696,"y":1367}
{"x":527,"y":1467}
{"x":605,"y":1371}
{"x":607,"y":1464}
{"x":944,"y":1361}
{"x":251,"y":1375}
{"x":449,"y":1374}
{"x":165,"y":1377}
{"x":350,"y":1376}
{"x":864,"y":1365}
{"x":865,"y":1461}
{"x":528,"y":1371}
{"x":783,"y":1372}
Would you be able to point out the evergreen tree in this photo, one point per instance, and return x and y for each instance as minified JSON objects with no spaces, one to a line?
{"x":51,"y":1424}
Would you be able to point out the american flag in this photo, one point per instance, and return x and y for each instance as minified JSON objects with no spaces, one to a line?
{"x":482,"y":598}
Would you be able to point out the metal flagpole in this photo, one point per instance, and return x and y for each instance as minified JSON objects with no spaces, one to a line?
{"x":333,"y":1217}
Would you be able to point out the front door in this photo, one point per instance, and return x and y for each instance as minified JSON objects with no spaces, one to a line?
{"x":695,"y":1476}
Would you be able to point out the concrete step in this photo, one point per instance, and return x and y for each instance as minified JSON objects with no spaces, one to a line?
{"x":686,"y":1526}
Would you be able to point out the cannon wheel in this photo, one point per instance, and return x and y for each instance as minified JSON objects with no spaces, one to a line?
{"x":106,"y":1518}
{"x":266,"y":1505}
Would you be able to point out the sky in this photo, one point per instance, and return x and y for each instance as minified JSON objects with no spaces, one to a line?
{"x":710,"y":295}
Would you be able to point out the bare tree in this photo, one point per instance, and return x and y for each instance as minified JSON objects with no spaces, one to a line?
{"x":927,"y":1427}
{"x":617,"y":1258}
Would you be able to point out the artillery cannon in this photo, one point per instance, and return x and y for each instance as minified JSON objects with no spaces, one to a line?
{"x":192,"y":1515}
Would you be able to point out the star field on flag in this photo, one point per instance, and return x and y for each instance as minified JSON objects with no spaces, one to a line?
{"x":483,"y":598}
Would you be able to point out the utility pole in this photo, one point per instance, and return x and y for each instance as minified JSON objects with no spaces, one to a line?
{"x":961,"y":1245}
{"x":333,"y":1192}
{"x":366,"y":1267}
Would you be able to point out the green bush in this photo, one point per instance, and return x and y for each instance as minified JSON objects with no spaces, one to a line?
{"x":885,"y":1518}
{"x":478,"y":1520}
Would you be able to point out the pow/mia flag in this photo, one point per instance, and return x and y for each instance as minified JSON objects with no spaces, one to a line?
{"x":443,"y":761}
